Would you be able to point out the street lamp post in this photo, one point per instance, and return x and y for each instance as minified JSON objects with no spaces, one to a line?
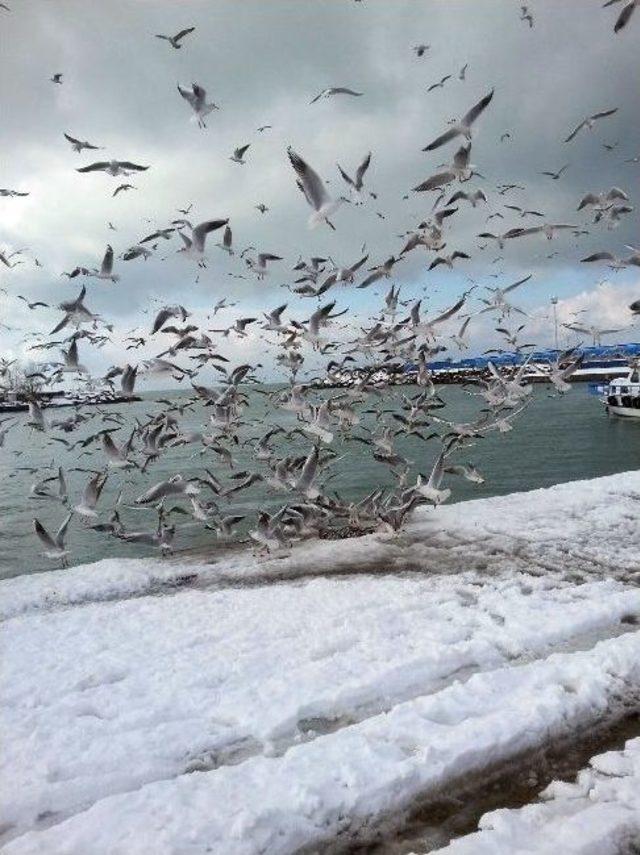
{"x":554,"y":303}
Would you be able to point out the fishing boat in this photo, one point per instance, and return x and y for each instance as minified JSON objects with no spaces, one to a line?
{"x":621,"y":396}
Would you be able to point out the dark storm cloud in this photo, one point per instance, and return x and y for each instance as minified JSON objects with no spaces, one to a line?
{"x":262,"y":62}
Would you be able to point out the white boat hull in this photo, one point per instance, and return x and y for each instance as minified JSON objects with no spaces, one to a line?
{"x":624,"y":412}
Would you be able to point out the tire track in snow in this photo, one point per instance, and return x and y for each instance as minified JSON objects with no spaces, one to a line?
{"x":312,"y":724}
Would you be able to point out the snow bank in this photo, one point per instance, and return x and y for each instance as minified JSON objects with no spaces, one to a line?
{"x":104,"y":698}
{"x":599,"y":814}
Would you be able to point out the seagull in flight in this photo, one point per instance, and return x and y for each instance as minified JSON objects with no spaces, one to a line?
{"x":54,"y":546}
{"x":121,"y":187}
{"x":356,"y":184}
{"x":556,"y":175}
{"x":420,"y":50}
{"x":624,"y":16}
{"x":462,"y":128}
{"x":335,"y":90}
{"x":525,"y":15}
{"x":589,"y":122}
{"x":106,"y":268}
{"x":197,"y":98}
{"x":238,"y":154}
{"x":79,"y":145}
{"x":440,"y":84}
{"x":174,"y":41}
{"x":11,"y":193}
{"x":194,"y":245}
{"x":57,"y":78}
{"x":113,"y":167}
{"x":312,"y":186}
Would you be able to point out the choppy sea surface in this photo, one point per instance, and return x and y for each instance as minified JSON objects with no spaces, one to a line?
{"x":553,"y":441}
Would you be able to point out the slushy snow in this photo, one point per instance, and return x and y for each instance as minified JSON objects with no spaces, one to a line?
{"x":265,"y":705}
{"x":599,"y":814}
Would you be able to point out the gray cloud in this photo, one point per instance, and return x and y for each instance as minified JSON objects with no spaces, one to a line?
{"x":262,"y":63}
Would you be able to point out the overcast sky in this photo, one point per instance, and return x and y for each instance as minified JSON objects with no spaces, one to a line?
{"x":262,"y":62}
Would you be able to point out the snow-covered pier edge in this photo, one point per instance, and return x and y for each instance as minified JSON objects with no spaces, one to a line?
{"x":284,"y":704}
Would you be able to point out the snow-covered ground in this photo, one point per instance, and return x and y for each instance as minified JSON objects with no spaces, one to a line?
{"x":267,"y":705}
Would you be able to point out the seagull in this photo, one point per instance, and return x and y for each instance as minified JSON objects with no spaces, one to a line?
{"x":11,"y":193}
{"x":165,"y":234}
{"x":459,"y":337}
{"x":380,"y":272}
{"x":263,"y":128}
{"x":55,"y":547}
{"x":136,"y":252}
{"x":238,"y":154}
{"x":165,"y":314}
{"x":548,"y":229}
{"x":90,"y":496}
{"x":34,"y":305}
{"x":356,"y":184}
{"x":430,"y":489}
{"x":260,"y":266}
{"x":118,"y":455}
{"x":174,"y":41}
{"x":273,"y":319}
{"x":79,"y":145}
{"x":525,"y":15}
{"x":624,"y":16}
{"x":122,"y":187}
{"x":440,"y":83}
{"x":5,"y":258}
{"x":615,"y":262}
{"x":462,"y":128}
{"x":174,"y":486}
{"x":556,"y":175}
{"x":75,"y":312}
{"x":335,"y":90}
{"x":106,"y":268}
{"x":128,"y":379}
{"x":589,"y":122}
{"x":320,"y":318}
{"x":462,"y":75}
{"x":36,"y":418}
{"x":114,"y":167}
{"x":420,"y":50}
{"x":595,"y":332}
{"x":524,"y":212}
{"x":473,"y":198}
{"x":71,"y":360}
{"x":194,"y":246}
{"x":460,"y":169}
{"x":227,"y":239}
{"x":312,"y":186}
{"x":262,"y":208}
{"x":197,"y":98}
{"x":448,"y":259}
{"x":57,"y":78}
{"x":602,"y":199}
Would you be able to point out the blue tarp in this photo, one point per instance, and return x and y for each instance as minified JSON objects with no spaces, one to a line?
{"x":594,"y":357}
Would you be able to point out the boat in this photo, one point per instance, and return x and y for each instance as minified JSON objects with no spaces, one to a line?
{"x":621,"y":396}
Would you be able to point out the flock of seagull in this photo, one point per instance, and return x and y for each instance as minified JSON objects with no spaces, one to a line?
{"x":303,"y":431}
